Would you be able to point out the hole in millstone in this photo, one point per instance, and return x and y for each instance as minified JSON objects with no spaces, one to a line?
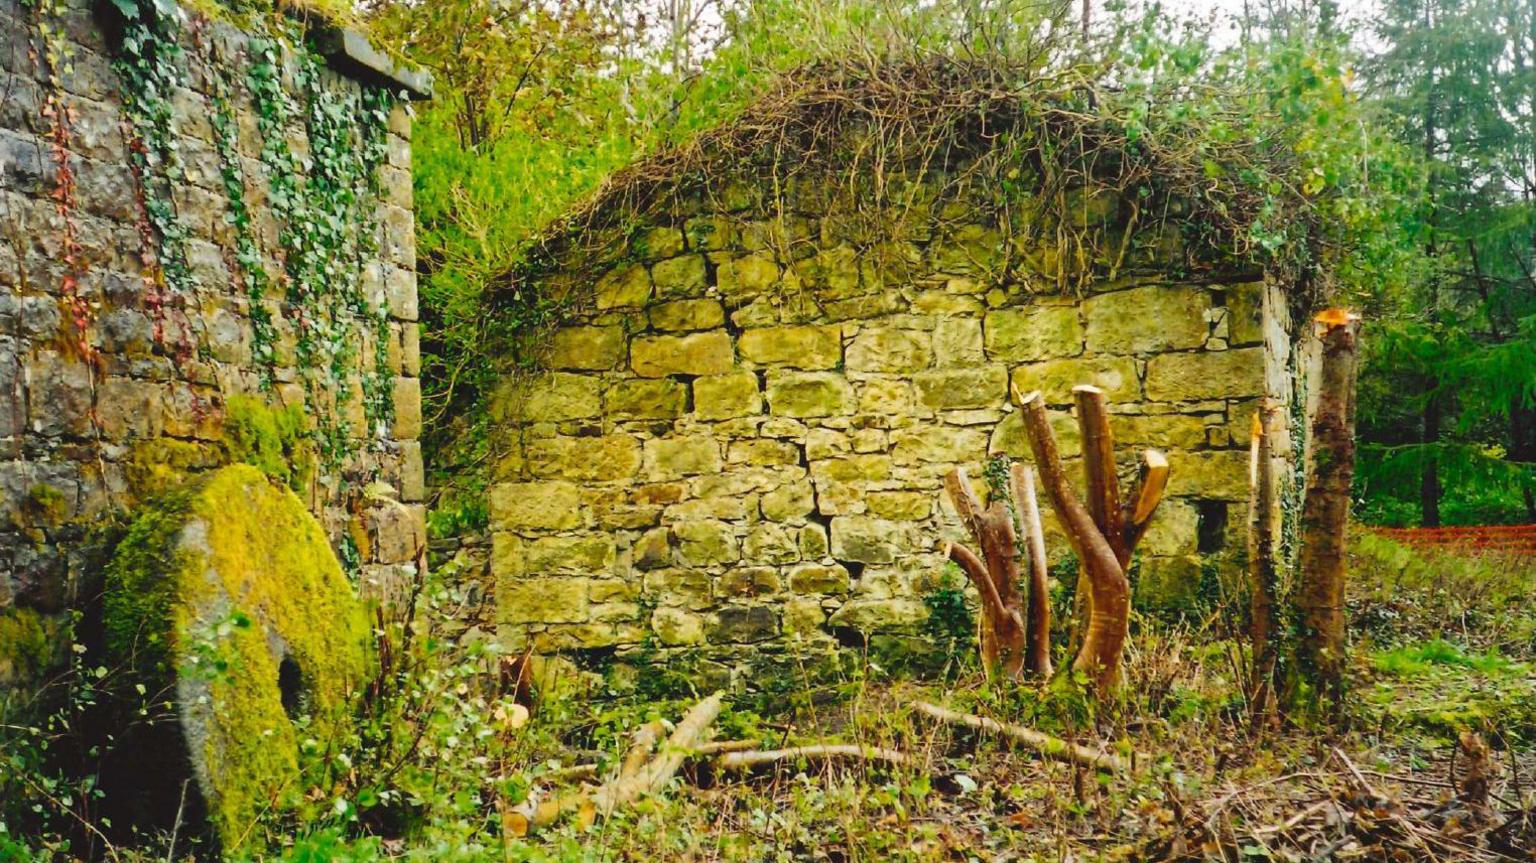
{"x":290,"y":687}
{"x":1211,"y":525}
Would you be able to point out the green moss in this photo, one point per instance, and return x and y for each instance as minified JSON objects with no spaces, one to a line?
{"x":157,"y":465}
{"x":274,"y":439}
{"x":26,"y":645}
{"x":46,"y":506}
{"x":213,"y":588}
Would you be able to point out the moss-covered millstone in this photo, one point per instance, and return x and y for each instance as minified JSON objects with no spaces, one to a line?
{"x":226,"y":600}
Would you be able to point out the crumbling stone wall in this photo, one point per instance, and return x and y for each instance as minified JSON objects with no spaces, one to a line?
{"x":737,"y":446}
{"x":119,"y":377}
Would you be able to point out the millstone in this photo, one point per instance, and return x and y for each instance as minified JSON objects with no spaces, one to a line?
{"x":227,"y":605}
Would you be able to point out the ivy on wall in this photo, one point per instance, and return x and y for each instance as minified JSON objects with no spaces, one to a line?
{"x":323,"y":197}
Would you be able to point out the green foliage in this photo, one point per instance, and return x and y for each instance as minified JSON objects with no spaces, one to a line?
{"x":950,"y":626}
{"x":274,"y":440}
{"x":1448,"y":403}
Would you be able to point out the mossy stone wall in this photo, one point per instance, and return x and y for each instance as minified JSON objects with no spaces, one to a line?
{"x":735,"y":449}
{"x":131,"y":361}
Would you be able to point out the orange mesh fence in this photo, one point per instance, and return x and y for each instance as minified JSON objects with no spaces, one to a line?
{"x":1510,"y":539}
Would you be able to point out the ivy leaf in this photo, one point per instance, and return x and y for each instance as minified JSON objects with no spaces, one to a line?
{"x":129,"y":8}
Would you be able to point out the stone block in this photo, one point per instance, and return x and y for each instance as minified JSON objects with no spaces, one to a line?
{"x":126,"y":408}
{"x":1245,"y":314}
{"x":812,"y":539}
{"x":809,"y":394}
{"x":623,"y":287}
{"x":1174,"y":530}
{"x":735,"y":624}
{"x":900,"y":505}
{"x":748,"y":582}
{"x":745,"y":277}
{"x":1033,"y":333}
{"x":819,"y":580}
{"x":852,"y":468}
{"x":1116,"y":376}
{"x":650,"y":398}
{"x":975,"y":387}
{"x":763,"y":452}
{"x":879,"y":615}
{"x":677,"y":628}
{"x":1220,"y":474}
{"x":558,"y":396}
{"x":653,"y":550}
{"x":683,"y":276}
{"x":1164,"y":431}
{"x":1206,"y":375}
{"x":935,"y":444}
{"x":890,"y":350}
{"x":885,"y":398}
{"x":590,"y":555}
{"x":407,"y":398}
{"x":680,"y":588}
{"x":60,"y":396}
{"x":726,"y":396}
{"x":657,"y":243}
{"x":1167,"y":582}
{"x":770,"y":543}
{"x":1146,"y":320}
{"x":865,"y":540}
{"x":671,"y":458}
{"x":788,"y":502}
{"x":706,"y":542}
{"x":542,"y":600}
{"x":958,"y":342}
{"x":1008,"y":436}
{"x":803,"y":617}
{"x":549,"y":505}
{"x":706,"y":353}
{"x":587,"y":348}
{"x":687,"y":315}
{"x":793,"y":347}
{"x":588,"y":459}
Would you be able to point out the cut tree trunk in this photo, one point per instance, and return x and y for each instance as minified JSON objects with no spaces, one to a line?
{"x":1089,"y":528}
{"x":1325,"y":509}
{"x":1045,"y":744}
{"x":1262,"y":570}
{"x":995,"y":574}
{"x":1037,"y":633}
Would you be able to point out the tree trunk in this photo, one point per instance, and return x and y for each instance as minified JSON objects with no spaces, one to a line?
{"x":1108,"y":624}
{"x":1037,"y":638}
{"x":1522,"y":449}
{"x":1429,"y":484}
{"x":1325,"y":509}
{"x":1262,"y":570}
{"x":995,"y":574}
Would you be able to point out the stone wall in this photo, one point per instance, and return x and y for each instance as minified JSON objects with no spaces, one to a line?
{"x":737,"y":446}
{"x":130,"y":356}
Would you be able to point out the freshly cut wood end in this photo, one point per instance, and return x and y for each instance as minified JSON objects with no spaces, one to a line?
{"x":1155,"y":459}
{"x":1331,"y":318}
{"x":1258,"y":425}
{"x":1022,"y":399}
{"x":1088,"y":388}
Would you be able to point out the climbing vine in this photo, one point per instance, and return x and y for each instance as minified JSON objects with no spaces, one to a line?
{"x":249,"y":271}
{"x":150,"y":67}
{"x":55,"y":55}
{"x":322,"y":196}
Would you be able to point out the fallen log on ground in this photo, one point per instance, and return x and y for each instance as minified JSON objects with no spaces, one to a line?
{"x":1045,"y":744}
{"x":822,"y":752}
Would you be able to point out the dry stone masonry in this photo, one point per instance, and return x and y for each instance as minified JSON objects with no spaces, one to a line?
{"x":736,"y":447}
{"x":134,"y":349}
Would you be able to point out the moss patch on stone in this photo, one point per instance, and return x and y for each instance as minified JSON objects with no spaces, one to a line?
{"x":274,"y":439}
{"x":226,"y":597}
{"x":27,"y":644}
